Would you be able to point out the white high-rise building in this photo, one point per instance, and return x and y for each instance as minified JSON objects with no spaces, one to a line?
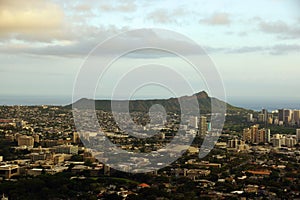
{"x":193,"y":122}
{"x":268,"y":136}
{"x":250,"y":117}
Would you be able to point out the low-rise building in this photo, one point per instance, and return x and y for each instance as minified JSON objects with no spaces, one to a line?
{"x":8,"y":171}
{"x":66,"y":149}
{"x":25,"y":140}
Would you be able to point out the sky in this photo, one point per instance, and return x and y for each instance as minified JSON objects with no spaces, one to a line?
{"x":254,"y":45}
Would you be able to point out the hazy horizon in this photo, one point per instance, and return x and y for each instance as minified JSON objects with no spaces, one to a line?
{"x":253,"y":104}
{"x":255,"y":50}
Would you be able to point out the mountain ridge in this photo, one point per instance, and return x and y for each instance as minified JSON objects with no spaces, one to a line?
{"x":170,"y":104}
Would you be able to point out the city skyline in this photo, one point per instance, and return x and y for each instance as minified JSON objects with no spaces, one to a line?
{"x":256,"y":50}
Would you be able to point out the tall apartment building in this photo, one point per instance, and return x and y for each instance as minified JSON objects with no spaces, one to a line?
{"x":265,"y":114}
{"x":193,"y":122}
{"x":260,"y":137}
{"x":203,"y":126}
{"x":298,"y":134}
{"x":255,"y":135}
{"x":287,"y":116}
{"x":250,"y":117}
{"x":261,"y":117}
{"x":296,"y":116}
{"x":247,"y":134}
{"x":268,"y":136}
{"x":281,"y":115}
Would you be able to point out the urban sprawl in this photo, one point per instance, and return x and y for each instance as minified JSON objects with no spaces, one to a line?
{"x":256,"y":156}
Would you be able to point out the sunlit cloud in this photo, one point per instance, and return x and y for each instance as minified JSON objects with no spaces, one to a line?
{"x":32,"y":19}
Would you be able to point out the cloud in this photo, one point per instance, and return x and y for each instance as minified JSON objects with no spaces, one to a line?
{"x":83,"y":8}
{"x":39,"y":19}
{"x":217,"y":19}
{"x":77,"y":45}
{"x":246,"y":49}
{"x":161,"y":16}
{"x":280,"y":28}
{"x":81,"y":47}
{"x":279,"y":49}
{"x":121,"y":6}
{"x":164,"y":16}
{"x":84,"y":45}
{"x":284,"y":49}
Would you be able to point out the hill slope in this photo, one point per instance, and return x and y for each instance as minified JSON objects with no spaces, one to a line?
{"x":171,"y":105}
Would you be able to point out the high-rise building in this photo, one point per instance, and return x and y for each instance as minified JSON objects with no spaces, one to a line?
{"x":193,"y":122}
{"x":287,"y":116}
{"x":261,"y":117}
{"x":298,"y":134}
{"x":250,"y":117}
{"x":261,"y":136}
{"x":247,"y":135}
{"x":296,"y":116}
{"x":203,"y":126}
{"x":254,"y":133}
{"x":268,"y":136}
{"x":265,"y":114}
{"x":281,"y":115}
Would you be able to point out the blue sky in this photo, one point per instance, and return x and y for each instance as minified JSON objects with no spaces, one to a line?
{"x":255,"y":45}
